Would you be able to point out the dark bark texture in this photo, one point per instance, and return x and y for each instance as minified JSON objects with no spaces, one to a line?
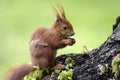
{"x":88,"y":66}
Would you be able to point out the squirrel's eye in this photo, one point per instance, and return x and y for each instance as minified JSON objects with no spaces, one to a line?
{"x":64,"y":27}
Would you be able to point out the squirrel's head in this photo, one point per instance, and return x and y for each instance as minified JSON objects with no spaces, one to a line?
{"x":61,"y":24}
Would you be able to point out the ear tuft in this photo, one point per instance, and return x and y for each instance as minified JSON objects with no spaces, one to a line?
{"x":55,"y":12}
{"x":59,"y":11}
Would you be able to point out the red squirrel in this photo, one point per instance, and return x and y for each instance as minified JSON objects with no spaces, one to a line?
{"x":44,"y":44}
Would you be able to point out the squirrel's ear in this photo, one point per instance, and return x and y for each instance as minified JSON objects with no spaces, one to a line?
{"x":59,"y":20}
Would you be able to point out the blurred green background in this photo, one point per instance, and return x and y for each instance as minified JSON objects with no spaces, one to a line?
{"x":92,"y":21}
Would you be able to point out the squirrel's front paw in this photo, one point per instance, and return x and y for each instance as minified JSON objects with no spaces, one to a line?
{"x":72,"y":41}
{"x":69,"y":41}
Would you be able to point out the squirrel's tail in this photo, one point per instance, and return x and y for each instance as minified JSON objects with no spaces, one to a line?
{"x":18,"y":72}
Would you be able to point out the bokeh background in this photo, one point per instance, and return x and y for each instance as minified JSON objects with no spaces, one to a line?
{"x":92,"y":21}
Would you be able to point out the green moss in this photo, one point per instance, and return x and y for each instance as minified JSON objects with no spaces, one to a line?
{"x":67,"y":74}
{"x":115,"y":65}
{"x":63,"y":74}
{"x":33,"y":75}
{"x":69,"y":60}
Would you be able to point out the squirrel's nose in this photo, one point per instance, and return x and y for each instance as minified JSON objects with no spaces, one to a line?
{"x":72,"y":33}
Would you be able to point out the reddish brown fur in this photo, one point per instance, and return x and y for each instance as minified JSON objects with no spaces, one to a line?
{"x":44,"y":44}
{"x":18,"y":72}
{"x":55,"y":37}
